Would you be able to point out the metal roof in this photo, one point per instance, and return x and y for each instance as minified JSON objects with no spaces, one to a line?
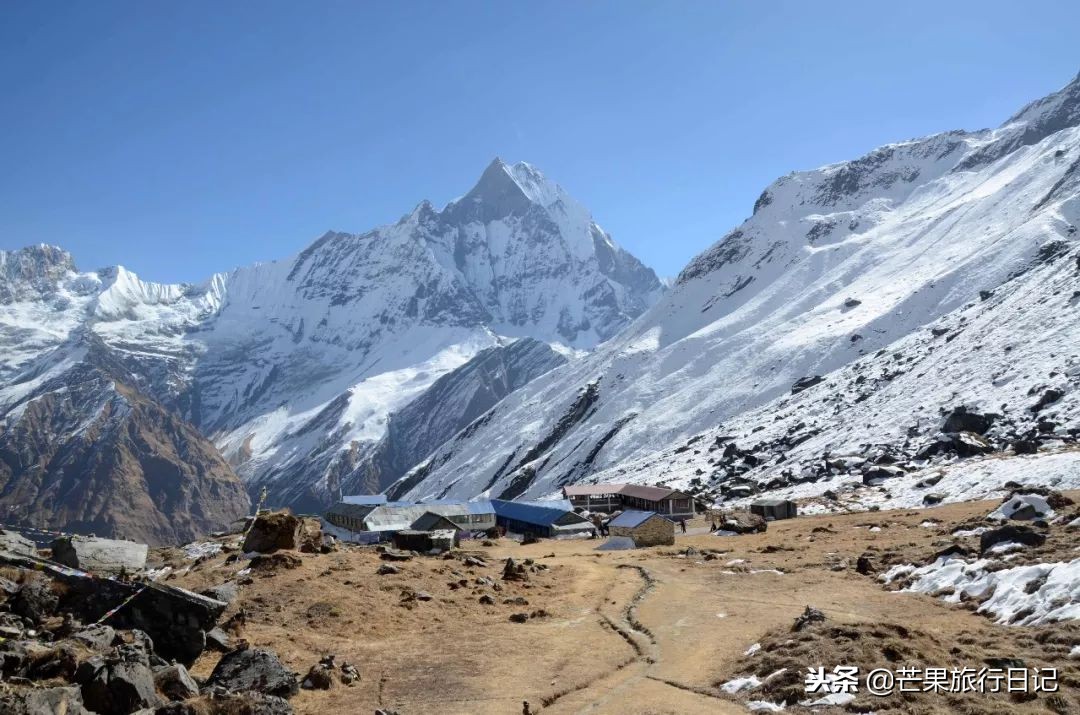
{"x":649,"y":493}
{"x":355,"y":511}
{"x":588,"y":490}
{"x":538,"y":513}
{"x":395,"y":516}
{"x":430,"y":521}
{"x":476,"y":506}
{"x":364,"y":499}
{"x":631,"y":518}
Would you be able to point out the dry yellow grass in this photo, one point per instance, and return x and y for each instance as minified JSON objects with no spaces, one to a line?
{"x":643,"y":631}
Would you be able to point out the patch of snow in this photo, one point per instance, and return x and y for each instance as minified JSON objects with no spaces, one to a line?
{"x":1021,"y":595}
{"x":737,"y":685}
{"x":201,"y":549}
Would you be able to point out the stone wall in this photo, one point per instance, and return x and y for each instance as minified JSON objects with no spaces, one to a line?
{"x":657,"y":531}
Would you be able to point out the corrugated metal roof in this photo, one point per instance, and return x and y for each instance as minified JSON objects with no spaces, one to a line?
{"x":364,"y":499}
{"x":630,"y":519}
{"x":430,"y":521}
{"x":476,"y":506}
{"x":395,"y":516}
{"x":355,"y":511}
{"x":650,"y":493}
{"x":588,"y":490}
{"x":538,"y":513}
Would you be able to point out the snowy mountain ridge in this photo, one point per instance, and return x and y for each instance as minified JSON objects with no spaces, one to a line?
{"x":840,"y":284}
{"x":293,"y":367}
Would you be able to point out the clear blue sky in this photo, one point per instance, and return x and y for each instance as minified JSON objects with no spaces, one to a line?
{"x":184,"y":138}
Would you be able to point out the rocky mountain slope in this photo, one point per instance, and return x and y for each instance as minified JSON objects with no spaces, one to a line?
{"x":293,"y":368}
{"x":858,"y":307}
{"x":81,"y":447}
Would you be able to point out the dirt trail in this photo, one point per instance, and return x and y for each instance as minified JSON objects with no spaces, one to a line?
{"x":626,"y":632}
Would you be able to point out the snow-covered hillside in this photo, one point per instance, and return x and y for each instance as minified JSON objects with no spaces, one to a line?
{"x":293,"y":367}
{"x":860,"y":304}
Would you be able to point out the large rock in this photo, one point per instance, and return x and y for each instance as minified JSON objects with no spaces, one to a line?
{"x":963,"y":444}
{"x":743,"y":522}
{"x":45,"y":701}
{"x":104,"y":557}
{"x":1010,"y":533}
{"x":15,"y":543}
{"x":175,"y":683}
{"x":254,"y":669}
{"x":35,"y":599}
{"x":117,"y":685}
{"x":98,"y":637}
{"x":962,"y":420}
{"x":273,"y":531}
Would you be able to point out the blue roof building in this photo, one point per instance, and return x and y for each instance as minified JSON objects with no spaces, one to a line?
{"x":546,"y":519}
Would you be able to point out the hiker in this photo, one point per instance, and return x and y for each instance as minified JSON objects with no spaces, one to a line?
{"x":682,"y":525}
{"x":525,"y":708}
{"x":714,"y":526}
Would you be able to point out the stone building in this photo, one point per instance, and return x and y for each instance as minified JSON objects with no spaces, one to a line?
{"x":646,"y":528}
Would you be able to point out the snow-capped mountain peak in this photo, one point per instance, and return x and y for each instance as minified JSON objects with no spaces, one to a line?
{"x":294,"y":367}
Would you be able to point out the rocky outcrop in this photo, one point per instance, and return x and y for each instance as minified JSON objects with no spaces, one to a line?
{"x":100,"y":556}
{"x":256,"y":670}
{"x":272,"y":531}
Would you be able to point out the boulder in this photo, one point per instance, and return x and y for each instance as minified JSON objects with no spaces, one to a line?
{"x":15,"y":543}
{"x":864,"y":565}
{"x":1047,"y":398}
{"x":254,"y":669}
{"x":349,"y":673}
{"x":311,"y":537}
{"x":963,"y":444}
{"x":102,"y":557}
{"x":319,"y":677}
{"x":176,"y":683}
{"x":57,"y":661}
{"x":1023,"y":507}
{"x":35,"y":599}
{"x":963,"y":420}
{"x":1010,"y":533}
{"x":117,"y":685}
{"x":880,"y":472}
{"x":272,"y":531}
{"x":969,"y":444}
{"x":45,"y":701}
{"x":98,"y":637}
{"x":13,"y":658}
{"x":743,"y":522}
{"x":930,"y":481}
{"x":1025,"y":446}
